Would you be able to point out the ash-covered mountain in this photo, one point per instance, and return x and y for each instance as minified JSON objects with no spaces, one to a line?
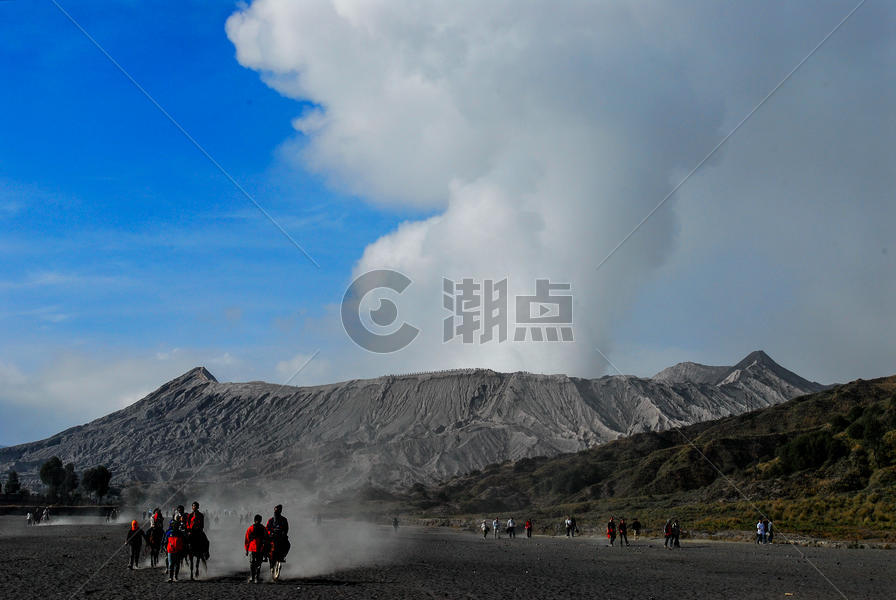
{"x":394,"y":430}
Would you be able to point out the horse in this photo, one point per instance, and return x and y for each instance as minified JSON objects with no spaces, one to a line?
{"x":154,"y":544}
{"x":197,"y":548}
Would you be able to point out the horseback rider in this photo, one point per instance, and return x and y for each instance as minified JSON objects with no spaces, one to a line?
{"x":178,"y":518}
{"x":196,"y":529}
{"x":278,"y":534}
{"x":154,"y":536}
{"x":156,"y":518}
{"x":195,"y":520}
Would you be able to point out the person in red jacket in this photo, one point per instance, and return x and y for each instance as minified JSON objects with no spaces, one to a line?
{"x":195,"y":520}
{"x":256,"y":540}
{"x":175,"y":546}
{"x":528,"y":527}
{"x":195,"y":523}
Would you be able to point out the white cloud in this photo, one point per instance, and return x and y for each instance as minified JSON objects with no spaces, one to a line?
{"x":520,"y":129}
{"x":543,"y":132}
{"x":75,"y":388}
{"x":59,"y":279}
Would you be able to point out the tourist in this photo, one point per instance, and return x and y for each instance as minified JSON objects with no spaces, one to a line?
{"x":135,"y":540}
{"x":676,"y":534}
{"x":175,"y":546}
{"x":254,"y":544}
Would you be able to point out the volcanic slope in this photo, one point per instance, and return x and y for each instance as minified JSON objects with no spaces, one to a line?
{"x":394,"y":430}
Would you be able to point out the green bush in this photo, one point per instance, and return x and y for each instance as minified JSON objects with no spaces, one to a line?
{"x":810,"y":451}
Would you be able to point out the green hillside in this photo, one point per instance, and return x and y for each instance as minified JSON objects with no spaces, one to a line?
{"x":821,"y":465}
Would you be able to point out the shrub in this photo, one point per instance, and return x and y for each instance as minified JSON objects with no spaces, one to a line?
{"x":810,"y":451}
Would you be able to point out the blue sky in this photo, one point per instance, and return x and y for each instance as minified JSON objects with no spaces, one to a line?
{"x":115,"y":231}
{"x":439,"y":141}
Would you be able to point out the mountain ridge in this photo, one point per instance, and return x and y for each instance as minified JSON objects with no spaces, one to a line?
{"x":822,"y":464}
{"x":394,"y":430}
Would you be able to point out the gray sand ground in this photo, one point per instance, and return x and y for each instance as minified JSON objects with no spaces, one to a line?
{"x":70,"y":561}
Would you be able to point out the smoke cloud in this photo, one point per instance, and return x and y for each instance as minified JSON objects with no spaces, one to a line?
{"x":533,"y":137}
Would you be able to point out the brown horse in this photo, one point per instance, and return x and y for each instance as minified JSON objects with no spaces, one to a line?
{"x":154,"y":537}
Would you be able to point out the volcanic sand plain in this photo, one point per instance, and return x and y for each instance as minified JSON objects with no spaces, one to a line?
{"x":344,"y":560}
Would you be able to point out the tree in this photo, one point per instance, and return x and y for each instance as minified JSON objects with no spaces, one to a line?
{"x":52,"y":473}
{"x":12,"y":484}
{"x":96,"y":480}
{"x":69,"y":481}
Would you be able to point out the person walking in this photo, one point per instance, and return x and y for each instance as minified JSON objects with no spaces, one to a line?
{"x":254,"y":544}
{"x":511,"y":528}
{"x":496,"y":526}
{"x":760,"y":532}
{"x":135,"y":540}
{"x":676,"y":534}
{"x":667,"y":534}
{"x":568,"y":524}
{"x":175,"y":545}
{"x":769,"y":532}
{"x":528,"y":528}
{"x":623,"y":532}
{"x":484,"y":528}
{"x":636,"y":527}
{"x":611,"y":530}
